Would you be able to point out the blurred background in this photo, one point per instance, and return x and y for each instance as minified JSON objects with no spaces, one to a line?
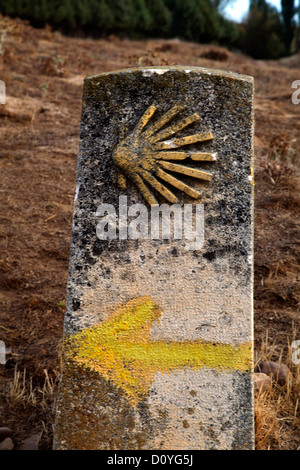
{"x":263,"y":29}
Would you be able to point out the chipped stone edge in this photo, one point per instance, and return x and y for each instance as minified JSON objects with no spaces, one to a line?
{"x":160,"y":70}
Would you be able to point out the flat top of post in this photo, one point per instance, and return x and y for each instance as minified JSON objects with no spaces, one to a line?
{"x":163,"y":69}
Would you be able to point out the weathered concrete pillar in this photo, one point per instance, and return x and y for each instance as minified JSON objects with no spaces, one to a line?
{"x":158,"y":327}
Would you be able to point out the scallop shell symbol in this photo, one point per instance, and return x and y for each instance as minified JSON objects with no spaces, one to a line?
{"x":147,"y":155}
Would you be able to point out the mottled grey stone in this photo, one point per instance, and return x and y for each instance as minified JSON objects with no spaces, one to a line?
{"x":204,"y":295}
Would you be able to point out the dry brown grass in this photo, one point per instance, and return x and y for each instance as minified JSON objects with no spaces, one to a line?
{"x":36,"y":402}
{"x":277,"y":410}
{"x":21,"y":389}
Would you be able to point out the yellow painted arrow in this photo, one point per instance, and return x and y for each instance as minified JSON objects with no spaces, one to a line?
{"x":121,"y":350}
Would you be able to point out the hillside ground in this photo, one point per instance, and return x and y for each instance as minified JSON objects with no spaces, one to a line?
{"x":39,"y":132}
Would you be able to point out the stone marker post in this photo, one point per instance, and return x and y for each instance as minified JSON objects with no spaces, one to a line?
{"x":158,"y":327}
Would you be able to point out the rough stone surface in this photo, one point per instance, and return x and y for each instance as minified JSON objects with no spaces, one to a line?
{"x":278,"y":372}
{"x":261,"y":381}
{"x":158,"y":337}
{"x":30,"y":443}
{"x":7,"y":444}
{"x":5,"y":432}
